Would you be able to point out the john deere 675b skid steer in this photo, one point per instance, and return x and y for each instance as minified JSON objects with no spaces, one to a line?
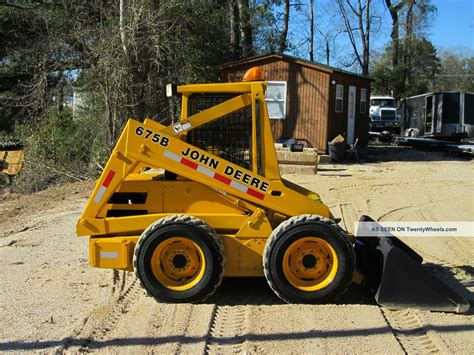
{"x":220,"y":208}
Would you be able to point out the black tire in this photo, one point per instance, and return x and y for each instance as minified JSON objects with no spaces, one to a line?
{"x":191,"y":229}
{"x":293,"y":230}
{"x":413,"y":132}
{"x":385,"y":136}
{"x":4,"y":180}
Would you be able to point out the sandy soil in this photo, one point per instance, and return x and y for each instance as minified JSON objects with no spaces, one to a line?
{"x":51,"y":300}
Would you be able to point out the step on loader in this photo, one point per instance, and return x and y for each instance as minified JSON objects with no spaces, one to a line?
{"x":186,"y":204}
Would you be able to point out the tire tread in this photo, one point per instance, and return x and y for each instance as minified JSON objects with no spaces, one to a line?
{"x":285,"y":227}
{"x":187,"y":220}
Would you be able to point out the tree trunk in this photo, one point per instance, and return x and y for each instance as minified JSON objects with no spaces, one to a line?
{"x":122,"y":28}
{"x":395,"y":33}
{"x":327,"y":37}
{"x":245,"y":28}
{"x":411,"y":5}
{"x":284,"y":31}
{"x":365,"y":69}
{"x":328,"y":51}
{"x":408,"y":39}
{"x":350,"y":29}
{"x":234,"y":29}
{"x":311,"y":30}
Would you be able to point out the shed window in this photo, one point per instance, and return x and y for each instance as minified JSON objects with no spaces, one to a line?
{"x":339,"y":98}
{"x":275,"y":97}
{"x":363,"y":100}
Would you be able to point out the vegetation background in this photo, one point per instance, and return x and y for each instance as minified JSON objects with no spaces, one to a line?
{"x":114,"y":58}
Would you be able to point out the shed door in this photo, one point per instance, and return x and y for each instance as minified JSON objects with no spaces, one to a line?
{"x":351,"y":102}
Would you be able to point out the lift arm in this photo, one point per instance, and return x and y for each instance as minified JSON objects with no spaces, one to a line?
{"x":151,"y":144}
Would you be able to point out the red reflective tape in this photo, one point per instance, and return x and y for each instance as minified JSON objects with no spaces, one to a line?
{"x":256,"y":194}
{"x":189,"y":163}
{"x":109,"y":178}
{"x":222,"y":178}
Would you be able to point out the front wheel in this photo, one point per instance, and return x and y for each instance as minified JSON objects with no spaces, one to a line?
{"x":309,"y":259}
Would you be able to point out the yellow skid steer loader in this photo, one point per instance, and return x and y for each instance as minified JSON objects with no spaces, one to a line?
{"x":219,"y":207}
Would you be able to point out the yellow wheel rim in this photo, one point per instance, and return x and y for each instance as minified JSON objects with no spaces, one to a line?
{"x":178,"y":263}
{"x":310,"y":264}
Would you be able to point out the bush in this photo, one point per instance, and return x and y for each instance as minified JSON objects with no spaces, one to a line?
{"x":61,"y":148}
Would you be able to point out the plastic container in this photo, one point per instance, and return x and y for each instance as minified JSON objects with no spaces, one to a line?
{"x":337,"y":151}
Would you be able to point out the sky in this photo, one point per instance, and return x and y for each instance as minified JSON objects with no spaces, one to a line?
{"x":452,"y":26}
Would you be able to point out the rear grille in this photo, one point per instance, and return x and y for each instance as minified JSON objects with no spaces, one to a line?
{"x":228,"y":137}
{"x":388,"y":115}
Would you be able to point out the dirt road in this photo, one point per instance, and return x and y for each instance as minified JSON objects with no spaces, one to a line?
{"x":51,"y":300}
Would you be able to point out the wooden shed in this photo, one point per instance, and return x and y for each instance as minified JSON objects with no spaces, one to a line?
{"x":310,"y":101}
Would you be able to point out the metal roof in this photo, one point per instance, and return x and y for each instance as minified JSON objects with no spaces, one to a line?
{"x":289,"y":58}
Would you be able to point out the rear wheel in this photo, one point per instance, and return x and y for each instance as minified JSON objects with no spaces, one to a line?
{"x":179,"y":259}
{"x":309,"y":259}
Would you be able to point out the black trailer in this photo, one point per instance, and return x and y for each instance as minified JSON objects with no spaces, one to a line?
{"x":448,"y":115}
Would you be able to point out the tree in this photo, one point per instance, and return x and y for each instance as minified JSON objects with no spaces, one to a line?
{"x":422,"y":70}
{"x":234,"y":29}
{"x":417,"y":21}
{"x":394,"y":9}
{"x":456,"y":72}
{"x":284,"y":32}
{"x":246,"y":28}
{"x":357,"y":19}
{"x":410,"y":63}
{"x":55,"y":47}
{"x":254,"y":27}
{"x":37,"y":58}
{"x":118,"y":56}
{"x":326,"y":32}
{"x":271,"y":26}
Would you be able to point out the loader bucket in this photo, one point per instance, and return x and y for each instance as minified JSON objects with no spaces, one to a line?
{"x":394,"y":272}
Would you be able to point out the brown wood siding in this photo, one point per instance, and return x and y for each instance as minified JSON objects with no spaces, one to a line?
{"x":337,"y":122}
{"x":306,"y":101}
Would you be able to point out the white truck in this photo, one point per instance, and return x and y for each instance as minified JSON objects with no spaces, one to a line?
{"x":383,"y":115}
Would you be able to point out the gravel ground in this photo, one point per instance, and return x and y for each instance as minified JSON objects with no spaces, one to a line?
{"x":51,"y":300}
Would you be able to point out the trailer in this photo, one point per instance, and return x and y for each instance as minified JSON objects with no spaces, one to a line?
{"x":440,"y":115}
{"x":424,"y":143}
